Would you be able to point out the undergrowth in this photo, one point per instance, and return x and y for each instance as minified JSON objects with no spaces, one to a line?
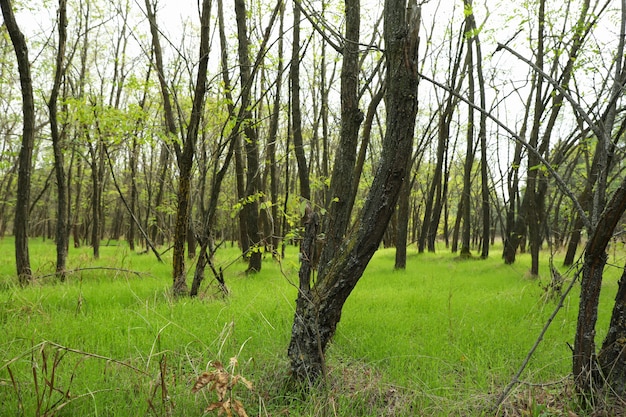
{"x":443,"y":337}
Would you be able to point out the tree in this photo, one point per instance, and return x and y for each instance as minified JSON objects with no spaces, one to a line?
{"x":22,"y":257}
{"x":62,"y":230}
{"x":185,"y":162}
{"x":318,"y":307}
{"x":250,"y":208}
{"x":342,"y":178}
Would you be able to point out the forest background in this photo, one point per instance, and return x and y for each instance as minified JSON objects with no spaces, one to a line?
{"x":131,"y":134}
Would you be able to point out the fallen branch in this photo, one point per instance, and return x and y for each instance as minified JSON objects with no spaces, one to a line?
{"x":106,"y":268}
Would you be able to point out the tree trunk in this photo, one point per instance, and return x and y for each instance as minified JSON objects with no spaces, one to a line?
{"x":22,"y":257}
{"x":272,"y":141}
{"x":170,"y":126}
{"x":296,"y":115}
{"x":342,"y":179}
{"x":470,"y":152}
{"x":403,"y":220}
{"x":612,"y":355}
{"x":585,"y":365}
{"x":318,"y":308}
{"x":251,"y":200}
{"x":62,"y":235}
{"x":185,"y":163}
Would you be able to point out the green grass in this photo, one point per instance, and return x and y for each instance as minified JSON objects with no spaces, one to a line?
{"x":443,"y":337}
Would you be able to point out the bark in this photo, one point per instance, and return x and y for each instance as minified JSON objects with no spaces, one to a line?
{"x":342,"y":179}
{"x":96,"y":154}
{"x":170,"y":126}
{"x":589,"y":369}
{"x":585,"y":363}
{"x":612,"y":355}
{"x":62,"y":235}
{"x":536,"y":190}
{"x":22,"y":257}
{"x":470,"y":151}
{"x":273,"y":139}
{"x":318,"y":309}
{"x":434,"y":198}
{"x":251,"y":199}
{"x":78,"y":184}
{"x":482,"y":137}
{"x":403,"y":220}
{"x":296,"y":115}
{"x":185,"y":163}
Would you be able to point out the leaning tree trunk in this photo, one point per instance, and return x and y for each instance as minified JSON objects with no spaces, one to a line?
{"x":612,"y":355}
{"x":318,"y":307}
{"x":585,"y":362}
{"x":342,"y":178}
{"x":22,"y":257}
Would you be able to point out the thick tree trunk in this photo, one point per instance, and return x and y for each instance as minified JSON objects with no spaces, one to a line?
{"x":22,"y":257}
{"x":612,"y":355}
{"x":318,"y":310}
{"x":585,"y":364}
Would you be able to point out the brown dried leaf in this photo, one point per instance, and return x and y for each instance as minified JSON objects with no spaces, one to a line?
{"x":244,"y":381}
{"x":233,"y":363}
{"x":221,"y":383}
{"x":214,"y":406}
{"x":217,"y":365}
{"x":226,"y":408}
{"x":202,"y":381}
{"x":238,"y":407}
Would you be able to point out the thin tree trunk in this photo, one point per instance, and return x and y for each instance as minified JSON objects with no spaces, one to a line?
{"x":273,"y":138}
{"x":342,"y":180}
{"x":62,"y":235}
{"x":185,"y":162}
{"x":22,"y":257}
{"x":296,"y":115}
{"x":170,"y":126}
{"x":251,"y":201}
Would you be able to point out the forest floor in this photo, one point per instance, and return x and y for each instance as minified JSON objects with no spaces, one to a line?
{"x":443,"y":337}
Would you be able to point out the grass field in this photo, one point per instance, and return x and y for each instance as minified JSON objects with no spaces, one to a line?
{"x":442,"y":338}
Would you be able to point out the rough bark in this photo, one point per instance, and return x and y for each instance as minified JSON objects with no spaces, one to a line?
{"x":342,"y":178}
{"x":62,"y":230}
{"x":22,"y":257}
{"x":170,"y":126}
{"x":251,"y":200}
{"x":585,"y":364}
{"x":612,"y":355}
{"x":185,"y":163}
{"x":272,"y":141}
{"x":318,"y":310}
{"x":296,"y":114}
{"x":403,"y":220}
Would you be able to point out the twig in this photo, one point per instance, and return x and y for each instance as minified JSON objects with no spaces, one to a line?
{"x":106,"y":268}
{"x":95,"y":355}
{"x":515,"y":380}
